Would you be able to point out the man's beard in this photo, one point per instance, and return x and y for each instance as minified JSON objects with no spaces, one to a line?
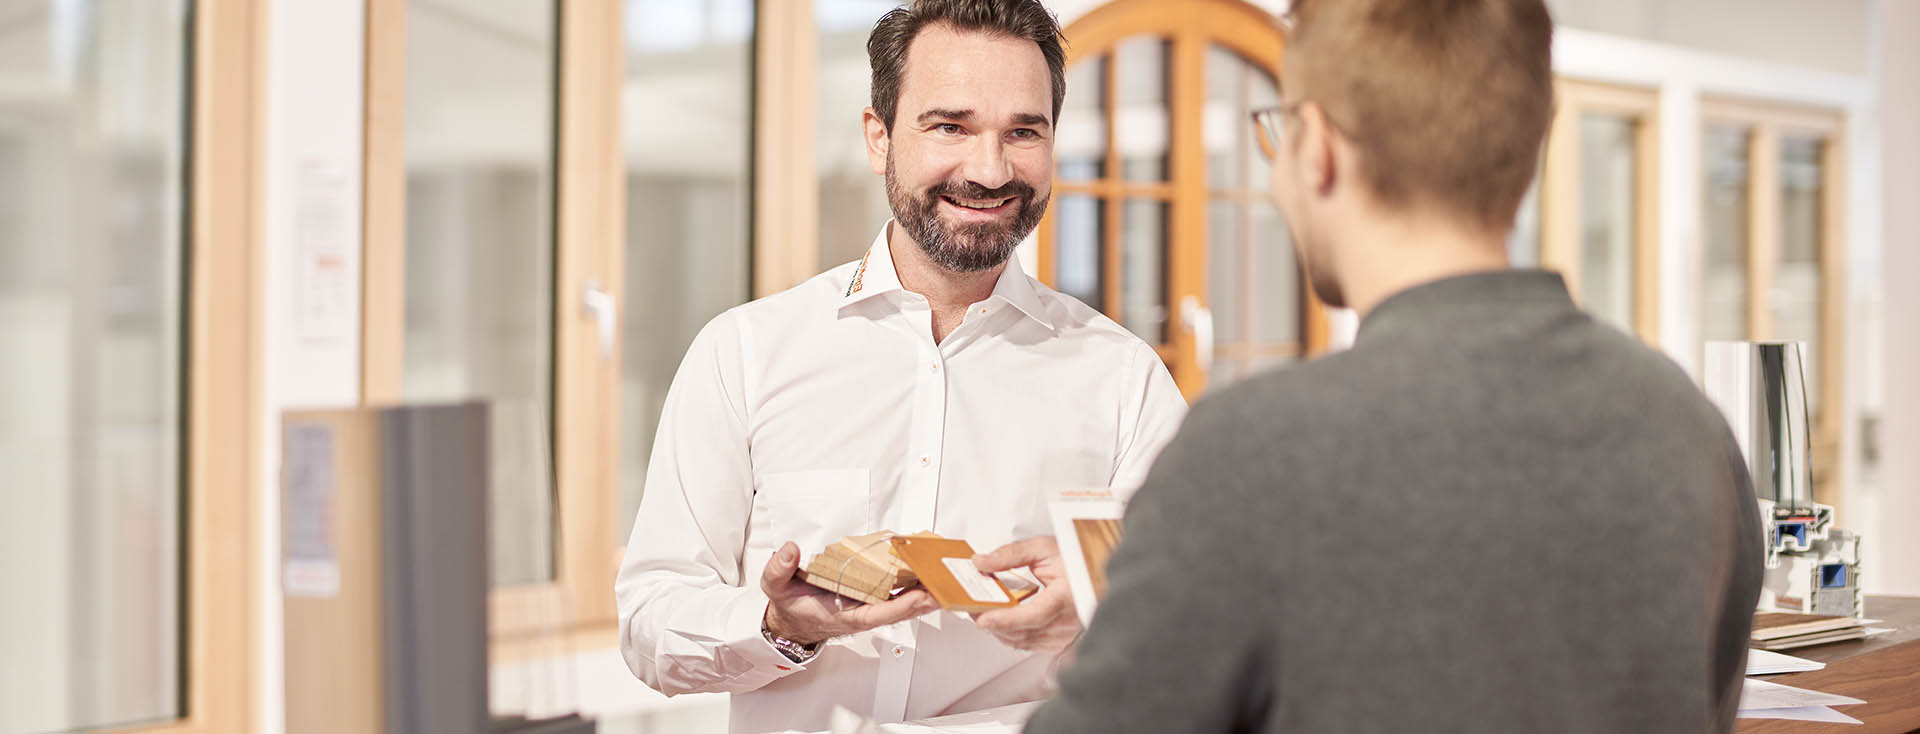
{"x":967,"y":248}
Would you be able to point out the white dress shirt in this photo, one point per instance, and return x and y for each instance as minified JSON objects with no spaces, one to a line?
{"x":828,"y":410}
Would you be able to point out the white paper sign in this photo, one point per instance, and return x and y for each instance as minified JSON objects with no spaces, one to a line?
{"x":978,"y":585}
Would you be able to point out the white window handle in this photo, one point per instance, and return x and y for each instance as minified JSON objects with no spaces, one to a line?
{"x":598,"y":303}
{"x":1199,"y":320}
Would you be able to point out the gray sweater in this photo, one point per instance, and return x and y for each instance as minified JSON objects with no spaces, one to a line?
{"x":1492,"y":514}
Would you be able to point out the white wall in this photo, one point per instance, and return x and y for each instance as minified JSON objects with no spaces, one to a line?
{"x":1898,"y":473}
{"x":312,"y":327}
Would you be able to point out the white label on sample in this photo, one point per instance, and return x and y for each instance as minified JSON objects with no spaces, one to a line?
{"x":978,"y":585}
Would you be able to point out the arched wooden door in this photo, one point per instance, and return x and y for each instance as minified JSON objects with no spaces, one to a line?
{"x":1160,"y":215}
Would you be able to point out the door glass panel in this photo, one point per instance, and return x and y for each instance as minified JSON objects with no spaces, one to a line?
{"x":1795,"y":298}
{"x":93,"y":157}
{"x":853,"y":200}
{"x":1078,"y":239}
{"x":688,"y":230}
{"x":1081,"y":144}
{"x":1275,"y":279}
{"x":479,"y":263}
{"x":1723,"y":291}
{"x":1140,"y":108}
{"x":1253,"y":284}
{"x":1143,"y":286}
{"x":1607,"y":218}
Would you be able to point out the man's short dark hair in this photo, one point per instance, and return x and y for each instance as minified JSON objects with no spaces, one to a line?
{"x":894,"y":34}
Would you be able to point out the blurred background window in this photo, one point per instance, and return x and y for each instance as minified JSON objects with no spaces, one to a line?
{"x":687,"y":118}
{"x":1607,"y":217}
{"x":479,"y":141}
{"x":853,"y":199}
{"x":93,"y":145}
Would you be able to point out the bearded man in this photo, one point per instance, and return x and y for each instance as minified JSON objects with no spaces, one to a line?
{"x":929,"y":385}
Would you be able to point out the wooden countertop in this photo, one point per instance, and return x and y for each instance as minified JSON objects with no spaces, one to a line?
{"x":1883,"y":670}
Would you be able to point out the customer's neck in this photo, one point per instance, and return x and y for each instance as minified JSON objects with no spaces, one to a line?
{"x":1382,"y":256}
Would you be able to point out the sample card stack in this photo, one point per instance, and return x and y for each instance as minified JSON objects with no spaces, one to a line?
{"x":1786,"y":631}
{"x":861,"y":567}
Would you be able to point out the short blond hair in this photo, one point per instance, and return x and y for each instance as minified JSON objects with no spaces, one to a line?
{"x":1447,"y":100}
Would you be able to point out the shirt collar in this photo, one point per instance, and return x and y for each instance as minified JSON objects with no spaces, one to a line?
{"x":1475,"y":298}
{"x":876,"y":275}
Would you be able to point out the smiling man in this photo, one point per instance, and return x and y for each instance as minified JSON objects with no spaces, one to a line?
{"x":930,"y":385}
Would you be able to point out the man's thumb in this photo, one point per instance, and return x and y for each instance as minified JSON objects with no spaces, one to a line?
{"x":782,"y":565}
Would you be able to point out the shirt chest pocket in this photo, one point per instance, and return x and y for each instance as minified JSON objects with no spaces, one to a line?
{"x":810,"y":508}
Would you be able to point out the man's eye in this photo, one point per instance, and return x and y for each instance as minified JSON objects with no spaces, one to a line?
{"x":1025,"y":133}
{"x":948,"y":129}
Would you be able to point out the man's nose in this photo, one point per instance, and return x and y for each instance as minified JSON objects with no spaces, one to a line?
{"x":987,"y":163}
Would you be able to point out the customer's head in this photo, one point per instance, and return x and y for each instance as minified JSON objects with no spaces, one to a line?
{"x":1401,"y":108}
{"x":966,"y":94}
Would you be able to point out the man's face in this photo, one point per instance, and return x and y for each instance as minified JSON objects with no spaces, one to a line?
{"x":969,"y":161}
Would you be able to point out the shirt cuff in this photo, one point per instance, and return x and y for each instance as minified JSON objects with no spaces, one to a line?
{"x":743,"y":636}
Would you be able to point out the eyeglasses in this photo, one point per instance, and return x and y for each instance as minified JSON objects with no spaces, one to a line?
{"x":1269,"y":127}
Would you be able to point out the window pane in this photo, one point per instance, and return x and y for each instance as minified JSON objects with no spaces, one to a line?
{"x":1079,"y":234}
{"x":1081,"y":145}
{"x":1235,"y":89}
{"x":1227,"y":267}
{"x":1275,"y":278}
{"x":1143,"y":233}
{"x":1140,"y":108}
{"x":688,"y":234}
{"x":853,"y":201}
{"x":92,"y":163}
{"x":1607,"y":218}
{"x":479,"y":271}
{"x":1723,"y":291}
{"x":1795,"y":299}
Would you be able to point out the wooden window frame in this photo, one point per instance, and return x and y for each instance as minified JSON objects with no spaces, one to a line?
{"x":1190,"y":27}
{"x":225,"y":268}
{"x":1765,"y":124}
{"x":1560,"y":247}
{"x":590,"y":187}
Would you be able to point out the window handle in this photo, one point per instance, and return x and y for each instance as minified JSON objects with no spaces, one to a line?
{"x":596,"y":302}
{"x":1199,"y":320}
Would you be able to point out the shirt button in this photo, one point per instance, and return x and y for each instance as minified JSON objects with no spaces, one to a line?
{"x":899,"y":651}
{"x":925,"y":460}
{"x":936,"y":366}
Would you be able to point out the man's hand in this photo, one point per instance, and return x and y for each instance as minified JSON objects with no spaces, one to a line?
{"x":1045,"y":622}
{"x":798,"y":611}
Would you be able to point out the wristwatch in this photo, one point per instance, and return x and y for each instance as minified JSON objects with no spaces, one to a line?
{"x":792,"y":650}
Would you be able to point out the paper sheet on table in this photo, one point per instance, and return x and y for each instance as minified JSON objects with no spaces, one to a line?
{"x":1759,"y":694}
{"x":1800,"y":713}
{"x":1002,"y":720}
{"x":1768,"y":662}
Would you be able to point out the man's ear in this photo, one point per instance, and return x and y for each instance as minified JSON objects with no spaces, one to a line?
{"x":878,"y":140}
{"x":1317,"y":155}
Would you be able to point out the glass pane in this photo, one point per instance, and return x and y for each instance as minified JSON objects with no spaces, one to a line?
{"x":688,"y":230}
{"x":1274,"y":278}
{"x":1523,"y":242}
{"x":1227,"y":267}
{"x":1795,"y":298}
{"x":93,"y":147}
{"x":853,"y":200}
{"x":1143,"y":286}
{"x":479,"y":272}
{"x":1607,"y":218}
{"x":1234,"y":89}
{"x":1140,"y":108}
{"x":1081,"y":145}
{"x":1079,"y":231}
{"x":1723,"y":288}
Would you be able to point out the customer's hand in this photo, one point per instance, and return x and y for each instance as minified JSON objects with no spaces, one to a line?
{"x":1045,"y":622}
{"x":800,"y":612}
